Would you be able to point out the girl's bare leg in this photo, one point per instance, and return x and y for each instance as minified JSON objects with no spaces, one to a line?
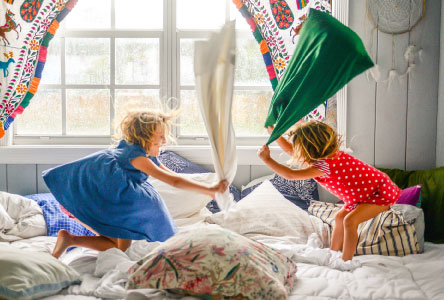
{"x":361,"y":213}
{"x":99,"y":243}
{"x":337,"y":237}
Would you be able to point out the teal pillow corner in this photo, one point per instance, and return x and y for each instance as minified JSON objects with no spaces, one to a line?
{"x":26,"y":275}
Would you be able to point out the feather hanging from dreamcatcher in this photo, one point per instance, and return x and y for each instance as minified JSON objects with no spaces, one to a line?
{"x":275,"y":25}
{"x":396,"y":17}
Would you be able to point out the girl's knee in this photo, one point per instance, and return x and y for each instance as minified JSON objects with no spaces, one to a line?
{"x":123,"y":244}
{"x":350,"y":222}
{"x":339,"y":217}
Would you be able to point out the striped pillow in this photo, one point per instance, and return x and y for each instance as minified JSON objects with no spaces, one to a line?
{"x":385,"y":234}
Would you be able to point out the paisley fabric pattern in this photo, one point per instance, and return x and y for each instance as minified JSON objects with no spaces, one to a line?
{"x":212,"y":262}
{"x":24,"y":40}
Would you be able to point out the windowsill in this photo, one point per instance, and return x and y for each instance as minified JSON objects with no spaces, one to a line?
{"x":60,"y":154}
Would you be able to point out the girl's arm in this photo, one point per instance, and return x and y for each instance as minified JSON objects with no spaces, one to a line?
{"x":285,"y":145}
{"x":145,"y":165}
{"x":284,"y":171}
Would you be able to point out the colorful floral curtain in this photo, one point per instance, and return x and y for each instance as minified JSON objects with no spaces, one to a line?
{"x":275,"y":26}
{"x":28,"y":28}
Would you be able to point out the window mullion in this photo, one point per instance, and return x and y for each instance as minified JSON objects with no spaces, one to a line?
{"x":173,"y":55}
{"x":63,"y":82}
{"x":113,"y":68}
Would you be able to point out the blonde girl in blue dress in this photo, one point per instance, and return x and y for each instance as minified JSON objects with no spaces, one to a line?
{"x":108,"y":191}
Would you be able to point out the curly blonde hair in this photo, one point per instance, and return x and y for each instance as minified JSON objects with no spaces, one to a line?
{"x":312,"y":141}
{"x":138,"y":127}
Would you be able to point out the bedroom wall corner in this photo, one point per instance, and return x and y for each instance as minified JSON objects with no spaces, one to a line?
{"x":440,"y":118}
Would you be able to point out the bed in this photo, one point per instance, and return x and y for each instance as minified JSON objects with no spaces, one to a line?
{"x":282,"y":226}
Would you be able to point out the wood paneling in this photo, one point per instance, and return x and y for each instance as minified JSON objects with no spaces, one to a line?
{"x":3,"y":182}
{"x":361,"y":92}
{"x":423,"y":93}
{"x":22,"y":179}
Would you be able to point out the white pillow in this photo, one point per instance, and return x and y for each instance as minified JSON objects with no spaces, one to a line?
{"x":32,"y":275}
{"x":266,"y":212}
{"x":182,"y":203}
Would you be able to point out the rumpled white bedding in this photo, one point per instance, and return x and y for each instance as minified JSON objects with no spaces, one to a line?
{"x":419,"y":276}
{"x":20,"y":218}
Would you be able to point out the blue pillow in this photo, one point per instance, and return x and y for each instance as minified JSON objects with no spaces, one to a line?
{"x":299,"y":192}
{"x":179,"y":164}
{"x":55,"y":218}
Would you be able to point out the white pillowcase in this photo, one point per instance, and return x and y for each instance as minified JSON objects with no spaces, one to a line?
{"x":182,"y":203}
{"x":32,"y":275}
{"x":265,"y":212}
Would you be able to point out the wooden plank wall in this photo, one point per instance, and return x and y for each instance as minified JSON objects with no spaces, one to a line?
{"x":396,"y":126}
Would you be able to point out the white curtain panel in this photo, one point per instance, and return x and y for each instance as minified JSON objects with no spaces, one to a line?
{"x":214,"y":62}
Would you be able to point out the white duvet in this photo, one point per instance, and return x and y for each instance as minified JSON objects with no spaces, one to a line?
{"x":419,"y":276}
{"x":20,"y":218}
{"x":104,"y":274}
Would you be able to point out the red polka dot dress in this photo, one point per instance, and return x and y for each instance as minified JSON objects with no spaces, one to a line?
{"x":354,"y":181}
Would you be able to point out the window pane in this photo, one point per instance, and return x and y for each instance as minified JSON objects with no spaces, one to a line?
{"x":250,"y":66}
{"x":135,"y":99}
{"x":187,"y":61}
{"x":139,"y":14}
{"x":87,"y":112}
{"x":89,"y":14}
{"x":249,"y":111}
{"x":43,"y":114}
{"x":52,"y":70}
{"x":200,"y":14}
{"x":190,"y":118}
{"x":87,"y":61}
{"x":137,"y":61}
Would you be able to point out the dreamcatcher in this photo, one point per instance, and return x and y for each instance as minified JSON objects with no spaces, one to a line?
{"x":396,"y":17}
{"x":275,"y":25}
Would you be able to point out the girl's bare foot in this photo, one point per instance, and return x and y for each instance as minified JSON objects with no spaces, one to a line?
{"x":64,"y":240}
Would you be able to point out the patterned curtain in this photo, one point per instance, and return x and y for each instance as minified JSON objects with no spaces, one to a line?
{"x":275,"y":26}
{"x":29,"y":26}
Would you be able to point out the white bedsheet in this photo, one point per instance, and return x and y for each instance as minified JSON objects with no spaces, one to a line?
{"x":417,"y":277}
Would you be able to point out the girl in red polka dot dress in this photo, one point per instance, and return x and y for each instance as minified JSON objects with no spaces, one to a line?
{"x":365,"y":190}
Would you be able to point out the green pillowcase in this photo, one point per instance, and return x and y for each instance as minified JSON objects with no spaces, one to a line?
{"x":432,"y":201}
{"x":28,"y":275}
{"x":327,"y":56}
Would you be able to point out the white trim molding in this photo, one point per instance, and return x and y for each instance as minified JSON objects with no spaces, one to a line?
{"x":340,"y":9}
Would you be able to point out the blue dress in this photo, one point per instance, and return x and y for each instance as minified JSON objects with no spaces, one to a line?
{"x":104,"y":191}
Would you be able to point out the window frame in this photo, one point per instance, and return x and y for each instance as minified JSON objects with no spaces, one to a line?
{"x":169,"y":82}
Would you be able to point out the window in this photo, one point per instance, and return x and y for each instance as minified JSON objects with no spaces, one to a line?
{"x":113,"y":54}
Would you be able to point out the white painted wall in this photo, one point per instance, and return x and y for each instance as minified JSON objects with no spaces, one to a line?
{"x":440,"y":120}
{"x":396,"y":127}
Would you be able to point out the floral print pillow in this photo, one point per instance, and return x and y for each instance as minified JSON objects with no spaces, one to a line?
{"x":212,"y":262}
